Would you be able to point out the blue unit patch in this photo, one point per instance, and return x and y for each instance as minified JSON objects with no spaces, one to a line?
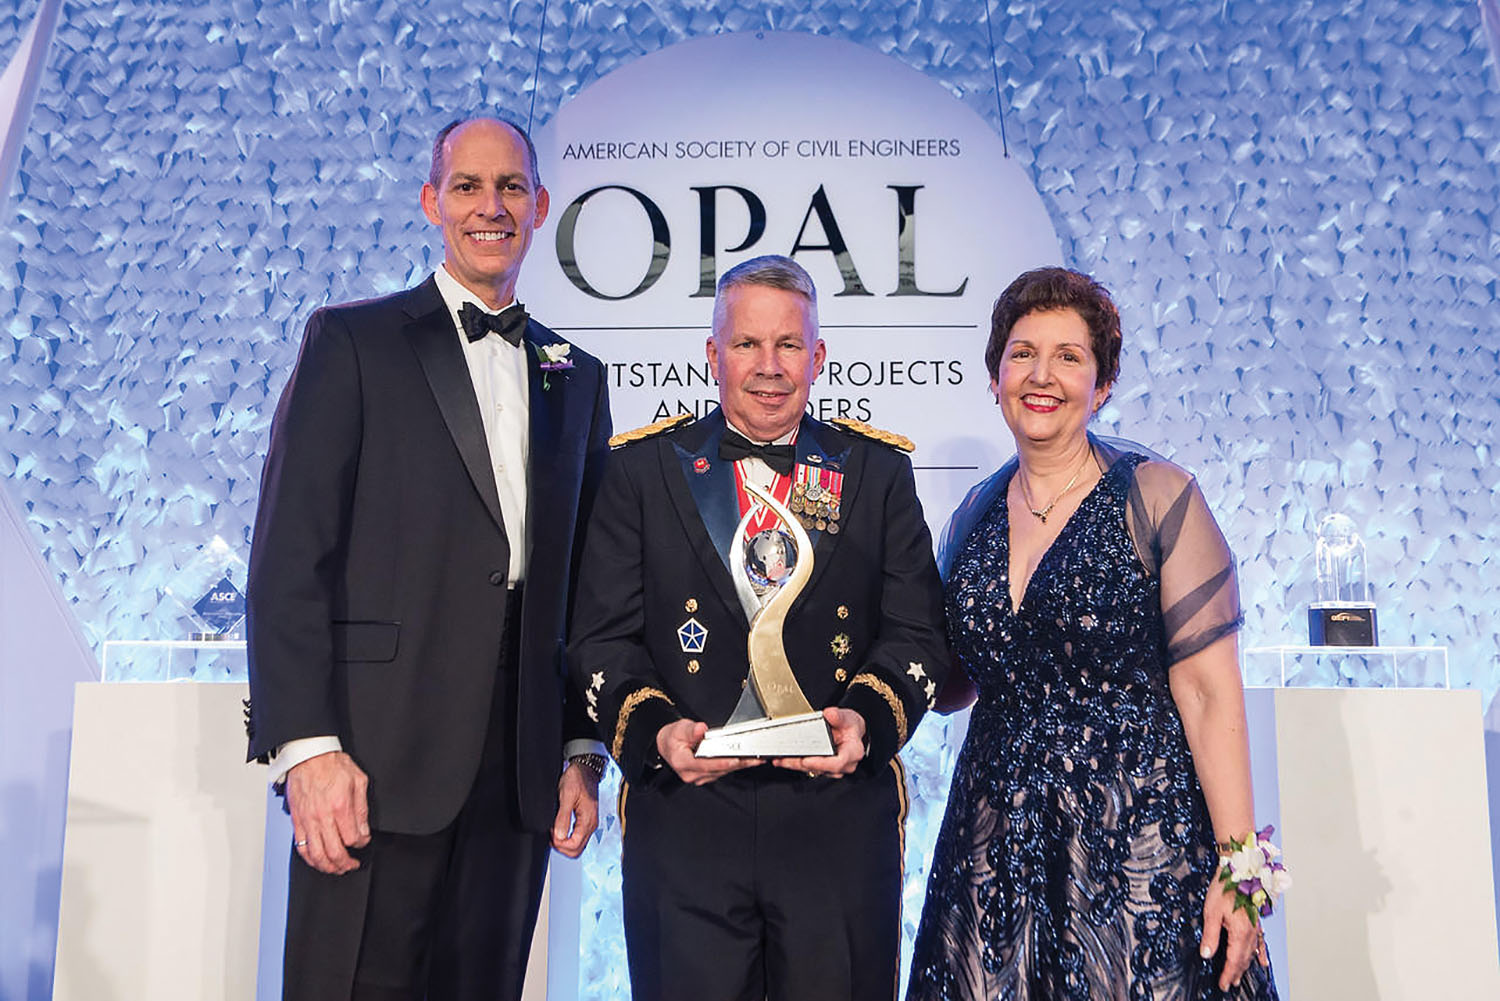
{"x":692,"y":636}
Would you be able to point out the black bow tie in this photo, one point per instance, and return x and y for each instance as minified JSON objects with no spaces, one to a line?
{"x":736,"y":446}
{"x":508,"y":323}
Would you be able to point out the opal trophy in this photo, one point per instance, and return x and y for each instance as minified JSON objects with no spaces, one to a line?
{"x":1343,"y":614}
{"x":773,"y":718}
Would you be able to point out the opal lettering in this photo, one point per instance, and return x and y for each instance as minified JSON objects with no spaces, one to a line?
{"x":818,"y":233}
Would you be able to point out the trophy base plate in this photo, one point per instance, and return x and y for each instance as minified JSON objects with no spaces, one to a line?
{"x":1347,"y":624}
{"x":803,"y":736}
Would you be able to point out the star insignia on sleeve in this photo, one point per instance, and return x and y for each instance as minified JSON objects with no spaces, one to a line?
{"x":931,"y":690}
{"x":597,"y":681}
{"x":593,"y":715}
{"x":915,"y":670}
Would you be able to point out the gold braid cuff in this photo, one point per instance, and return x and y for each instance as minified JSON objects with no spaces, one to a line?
{"x":632,"y":701}
{"x":891,"y":699}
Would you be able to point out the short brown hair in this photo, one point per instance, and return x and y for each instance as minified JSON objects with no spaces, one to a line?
{"x":1046,"y":289}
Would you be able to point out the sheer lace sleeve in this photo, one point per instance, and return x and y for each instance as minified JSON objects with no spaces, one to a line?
{"x":1177,"y":538}
{"x":975,"y":505}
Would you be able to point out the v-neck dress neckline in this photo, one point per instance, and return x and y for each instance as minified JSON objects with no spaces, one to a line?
{"x":1013,"y":606}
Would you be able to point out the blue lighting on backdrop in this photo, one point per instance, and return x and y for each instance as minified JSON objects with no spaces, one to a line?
{"x":1294,"y":202}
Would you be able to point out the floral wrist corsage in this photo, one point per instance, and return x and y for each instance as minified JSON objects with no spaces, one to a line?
{"x":1251,"y":869}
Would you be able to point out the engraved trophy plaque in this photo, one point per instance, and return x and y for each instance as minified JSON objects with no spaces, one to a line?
{"x":773,"y":718}
{"x":1343,"y":614}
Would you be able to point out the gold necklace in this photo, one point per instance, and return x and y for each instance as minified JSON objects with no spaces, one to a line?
{"x":1042,"y":514}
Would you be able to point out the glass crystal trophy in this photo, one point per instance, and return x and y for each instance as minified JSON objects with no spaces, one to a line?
{"x":773,"y":718}
{"x":210,"y":591}
{"x":1343,"y":614}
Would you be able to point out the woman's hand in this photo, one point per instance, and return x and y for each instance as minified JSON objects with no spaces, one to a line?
{"x":1244,"y":937}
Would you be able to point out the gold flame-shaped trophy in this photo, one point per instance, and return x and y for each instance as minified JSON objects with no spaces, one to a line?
{"x":773,"y":718}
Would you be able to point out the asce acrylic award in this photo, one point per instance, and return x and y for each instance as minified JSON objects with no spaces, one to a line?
{"x":773,"y":718}
{"x":210,"y":592}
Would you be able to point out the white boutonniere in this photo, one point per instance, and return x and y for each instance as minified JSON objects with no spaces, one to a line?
{"x":553,"y":358}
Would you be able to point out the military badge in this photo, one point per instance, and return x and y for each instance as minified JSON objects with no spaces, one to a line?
{"x":692,"y":636}
{"x":816,"y":498}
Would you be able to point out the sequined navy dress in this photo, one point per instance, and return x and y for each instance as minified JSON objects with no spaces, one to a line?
{"x":1076,"y":851}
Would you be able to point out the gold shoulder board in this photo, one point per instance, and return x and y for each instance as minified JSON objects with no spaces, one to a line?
{"x":864,"y":430}
{"x":649,"y":431}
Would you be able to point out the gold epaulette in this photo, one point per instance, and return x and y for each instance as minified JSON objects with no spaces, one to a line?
{"x":649,"y":431}
{"x":864,"y":430}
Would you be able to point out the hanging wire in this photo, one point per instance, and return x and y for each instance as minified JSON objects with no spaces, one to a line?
{"x":995,"y":69}
{"x":536,"y":71}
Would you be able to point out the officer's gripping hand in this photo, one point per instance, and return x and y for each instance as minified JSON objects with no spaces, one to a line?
{"x":677,"y":743}
{"x":848,"y":729}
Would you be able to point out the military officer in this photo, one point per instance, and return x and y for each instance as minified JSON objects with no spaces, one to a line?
{"x":746,"y":878}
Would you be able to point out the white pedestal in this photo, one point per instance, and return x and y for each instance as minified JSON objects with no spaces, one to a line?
{"x":162,"y":851}
{"x":1383,"y":817}
{"x":167,"y":832}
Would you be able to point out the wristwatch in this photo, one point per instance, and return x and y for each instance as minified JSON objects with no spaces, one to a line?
{"x":592,"y":763}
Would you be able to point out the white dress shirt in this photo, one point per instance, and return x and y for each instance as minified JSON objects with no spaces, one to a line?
{"x":501,"y":385}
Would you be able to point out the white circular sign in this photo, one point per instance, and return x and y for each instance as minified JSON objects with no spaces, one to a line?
{"x":896,"y":197}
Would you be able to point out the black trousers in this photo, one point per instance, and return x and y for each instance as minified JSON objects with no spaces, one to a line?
{"x":764,"y":884}
{"x":445,"y":916}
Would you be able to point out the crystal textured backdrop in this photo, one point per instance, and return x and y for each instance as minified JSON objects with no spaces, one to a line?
{"x":1294,"y":202}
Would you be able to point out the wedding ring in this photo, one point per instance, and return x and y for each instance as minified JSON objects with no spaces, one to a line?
{"x":300,"y":844}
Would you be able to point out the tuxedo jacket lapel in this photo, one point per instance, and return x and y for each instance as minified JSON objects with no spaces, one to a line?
{"x":545,"y":417}
{"x":430,"y":330}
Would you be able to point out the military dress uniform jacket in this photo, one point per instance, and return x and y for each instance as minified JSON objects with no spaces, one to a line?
{"x":659,"y":634}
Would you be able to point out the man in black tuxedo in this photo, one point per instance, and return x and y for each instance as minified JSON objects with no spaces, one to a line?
{"x":410,"y":577}
{"x":743,"y":878}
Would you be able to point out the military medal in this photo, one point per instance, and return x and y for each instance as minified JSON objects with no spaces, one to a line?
{"x":815,"y":498}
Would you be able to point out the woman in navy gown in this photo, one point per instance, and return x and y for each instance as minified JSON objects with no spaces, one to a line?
{"x":1093,"y":608}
